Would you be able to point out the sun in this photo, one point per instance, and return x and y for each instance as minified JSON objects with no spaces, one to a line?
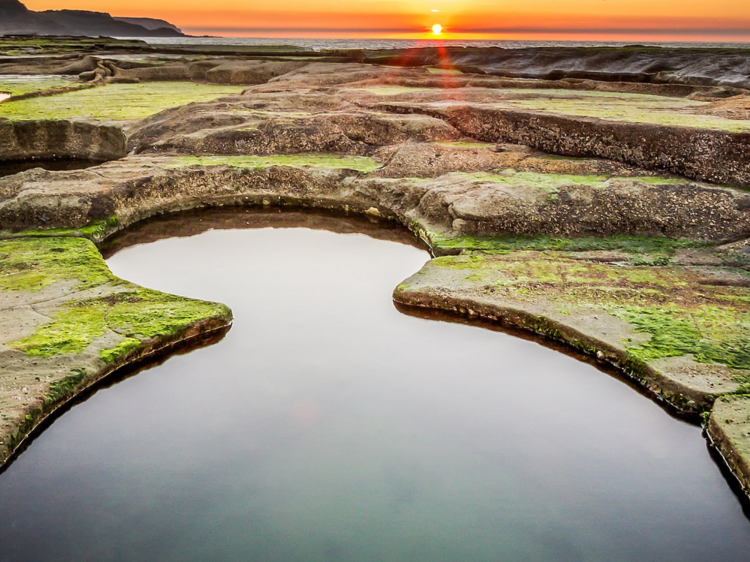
{"x":437,"y":29}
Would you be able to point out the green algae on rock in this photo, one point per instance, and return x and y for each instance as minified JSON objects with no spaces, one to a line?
{"x":95,"y":231}
{"x":114,"y":102}
{"x":362,"y":164}
{"x":135,"y":314}
{"x":729,"y":430}
{"x":32,"y":265}
{"x":634,"y":108}
{"x":68,"y":321}
{"x":643,"y":247}
{"x":17,"y":85}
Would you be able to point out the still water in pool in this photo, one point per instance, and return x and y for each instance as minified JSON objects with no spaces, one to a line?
{"x":329,"y":426}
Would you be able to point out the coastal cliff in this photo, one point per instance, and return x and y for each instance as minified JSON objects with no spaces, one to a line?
{"x":15,"y":18}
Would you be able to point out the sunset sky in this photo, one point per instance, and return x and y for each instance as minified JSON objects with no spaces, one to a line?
{"x":653,"y":20}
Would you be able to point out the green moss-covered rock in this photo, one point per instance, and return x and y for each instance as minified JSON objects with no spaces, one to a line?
{"x":114,"y":102}
{"x":648,"y":249}
{"x":20,"y":85}
{"x":308,"y":160}
{"x":67,"y":321}
{"x":729,"y":429}
{"x":681,"y":331}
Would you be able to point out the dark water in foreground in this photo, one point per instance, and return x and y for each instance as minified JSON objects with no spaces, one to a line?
{"x":328,"y":426}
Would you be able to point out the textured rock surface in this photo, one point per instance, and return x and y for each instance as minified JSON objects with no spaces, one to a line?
{"x":729,"y":429}
{"x":49,"y":140}
{"x":455,"y":203}
{"x":634,"y":64}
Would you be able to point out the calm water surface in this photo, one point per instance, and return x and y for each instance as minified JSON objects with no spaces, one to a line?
{"x":328,"y":426}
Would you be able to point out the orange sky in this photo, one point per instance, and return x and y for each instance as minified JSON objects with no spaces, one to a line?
{"x":724,"y":20}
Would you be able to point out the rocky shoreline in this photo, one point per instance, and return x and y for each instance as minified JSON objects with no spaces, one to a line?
{"x":605,"y":211}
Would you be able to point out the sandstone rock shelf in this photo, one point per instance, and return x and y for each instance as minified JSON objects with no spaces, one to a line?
{"x":602,"y":210}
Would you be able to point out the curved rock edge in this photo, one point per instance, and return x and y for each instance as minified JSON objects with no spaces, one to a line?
{"x":681,"y":398}
{"x":669,"y":392}
{"x":729,"y":418}
{"x":14,"y":443}
{"x":57,"y":373}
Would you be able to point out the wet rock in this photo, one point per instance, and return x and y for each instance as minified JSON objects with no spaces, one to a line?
{"x":729,"y":430}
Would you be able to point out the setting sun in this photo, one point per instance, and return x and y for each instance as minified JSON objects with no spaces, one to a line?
{"x":437,"y":29}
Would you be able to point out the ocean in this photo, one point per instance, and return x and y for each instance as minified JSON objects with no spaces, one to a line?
{"x":319,"y":44}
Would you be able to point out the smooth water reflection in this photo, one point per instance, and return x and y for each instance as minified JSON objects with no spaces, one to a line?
{"x":328,"y":426}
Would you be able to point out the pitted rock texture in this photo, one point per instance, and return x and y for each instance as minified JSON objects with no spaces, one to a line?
{"x":729,"y":429}
{"x":49,"y":140}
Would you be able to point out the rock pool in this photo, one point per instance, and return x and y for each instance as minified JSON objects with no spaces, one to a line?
{"x":327,"y":425}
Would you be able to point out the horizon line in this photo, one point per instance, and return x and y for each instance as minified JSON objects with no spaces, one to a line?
{"x":484,"y":31}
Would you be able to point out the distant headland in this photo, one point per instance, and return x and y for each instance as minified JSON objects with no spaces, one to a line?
{"x":15,"y":18}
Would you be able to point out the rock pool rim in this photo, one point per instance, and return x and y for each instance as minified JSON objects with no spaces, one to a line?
{"x":117,"y":239}
{"x":191,"y":223}
{"x":107,"y":245}
{"x":130,"y":369}
{"x":106,"y":241}
{"x":129,"y":236}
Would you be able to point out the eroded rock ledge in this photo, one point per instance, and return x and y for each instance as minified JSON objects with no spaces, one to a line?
{"x":60,"y":140}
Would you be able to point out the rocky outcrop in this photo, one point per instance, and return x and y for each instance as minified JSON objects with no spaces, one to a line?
{"x":452,"y":204}
{"x":729,"y":430}
{"x":705,"y":66}
{"x":657,"y":324}
{"x":52,"y":140}
{"x":707,"y":155}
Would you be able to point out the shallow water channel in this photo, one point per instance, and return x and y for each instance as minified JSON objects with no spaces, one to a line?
{"x":327,"y":425}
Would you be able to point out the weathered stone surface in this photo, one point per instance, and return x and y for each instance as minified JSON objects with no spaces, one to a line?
{"x":708,"y":155}
{"x":729,"y":430}
{"x":49,"y":140}
{"x":456,"y":203}
{"x":250,"y":72}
